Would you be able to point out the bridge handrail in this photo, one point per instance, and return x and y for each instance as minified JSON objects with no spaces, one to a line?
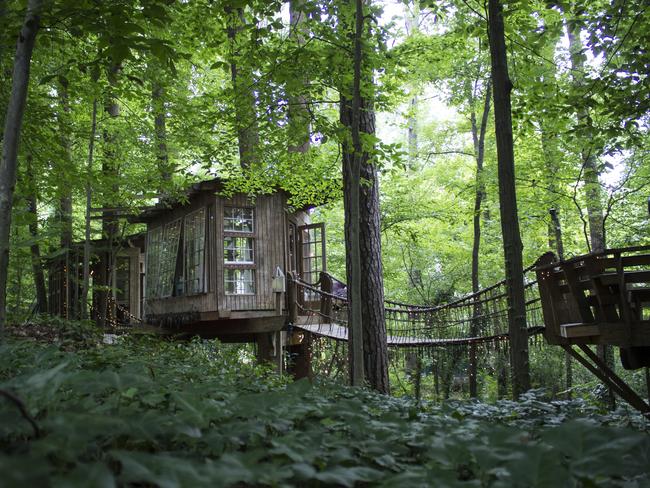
{"x":395,"y":306}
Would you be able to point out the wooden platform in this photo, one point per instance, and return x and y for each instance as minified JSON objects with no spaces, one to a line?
{"x":598,"y":298}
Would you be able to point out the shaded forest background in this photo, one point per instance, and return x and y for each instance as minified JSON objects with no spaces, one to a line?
{"x":128,"y":102}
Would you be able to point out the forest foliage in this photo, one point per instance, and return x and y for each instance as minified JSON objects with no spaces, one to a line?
{"x":146,"y":411}
{"x":427,"y":190}
{"x":159,"y":75}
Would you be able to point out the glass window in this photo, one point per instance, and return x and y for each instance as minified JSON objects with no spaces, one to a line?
{"x":154,"y":245}
{"x":168,"y":256}
{"x":238,"y":249}
{"x":237,"y":219}
{"x":162,"y":252}
{"x":194,"y":252}
{"x":239,"y":281}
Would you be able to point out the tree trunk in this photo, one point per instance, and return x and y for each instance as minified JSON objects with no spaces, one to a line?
{"x":591,"y":174}
{"x":105,"y":306}
{"x":243,"y":88}
{"x":165,"y":170}
{"x":65,"y":189}
{"x":11,"y":140}
{"x":363,"y":263}
{"x":412,"y":17}
{"x":508,"y":203}
{"x":37,"y":264}
{"x":299,"y":116}
{"x":557,"y":238}
{"x":89,"y":173}
{"x":478,"y":137}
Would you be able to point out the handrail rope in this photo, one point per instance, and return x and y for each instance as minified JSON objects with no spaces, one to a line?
{"x":452,"y":304}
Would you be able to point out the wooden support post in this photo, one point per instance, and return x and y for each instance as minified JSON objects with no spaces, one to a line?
{"x":299,"y":343}
{"x":292,"y":297}
{"x":607,"y":376}
{"x":269,"y":350}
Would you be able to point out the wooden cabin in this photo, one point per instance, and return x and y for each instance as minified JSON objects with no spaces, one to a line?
{"x":65,"y":280}
{"x":215,"y":266}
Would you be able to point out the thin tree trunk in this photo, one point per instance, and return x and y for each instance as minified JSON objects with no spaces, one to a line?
{"x":478,"y":137}
{"x":557,"y":237}
{"x":508,"y":203}
{"x":11,"y":141}
{"x":299,"y":116}
{"x":591,"y":174}
{"x":412,"y":15}
{"x":165,"y":169}
{"x":350,"y":117}
{"x":35,"y":249}
{"x":65,"y":189}
{"x":105,"y":308}
{"x":242,"y":81}
{"x":363,"y":261}
{"x":89,"y":172}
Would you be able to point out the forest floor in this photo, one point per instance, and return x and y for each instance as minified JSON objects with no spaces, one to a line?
{"x":146,"y":412}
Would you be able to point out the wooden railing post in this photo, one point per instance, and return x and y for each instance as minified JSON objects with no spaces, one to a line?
{"x":325,"y":299}
{"x":292,"y":297}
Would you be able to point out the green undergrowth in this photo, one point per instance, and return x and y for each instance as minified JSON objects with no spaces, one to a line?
{"x":144,"y":412}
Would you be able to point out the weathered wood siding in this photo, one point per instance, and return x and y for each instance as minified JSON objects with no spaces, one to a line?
{"x":270,"y":248}
{"x":269,"y":252}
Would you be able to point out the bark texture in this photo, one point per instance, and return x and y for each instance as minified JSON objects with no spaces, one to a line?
{"x":375,"y":356}
{"x":11,"y":140}
{"x":512,"y":245}
{"x":104,"y":307}
{"x":363,"y":260}
{"x":590,"y":171}
{"x":89,"y":196}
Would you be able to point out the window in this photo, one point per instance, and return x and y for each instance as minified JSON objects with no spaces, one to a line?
{"x":238,"y":219}
{"x":154,"y":244}
{"x":162,"y":252}
{"x":239,"y":281}
{"x":239,"y":250}
{"x":194,"y":252}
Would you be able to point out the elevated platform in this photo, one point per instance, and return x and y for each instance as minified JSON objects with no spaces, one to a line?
{"x":602,"y":298}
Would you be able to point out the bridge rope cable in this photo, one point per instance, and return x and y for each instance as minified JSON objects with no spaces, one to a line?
{"x":477,"y":318}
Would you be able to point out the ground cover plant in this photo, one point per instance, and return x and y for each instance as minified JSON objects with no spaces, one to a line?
{"x":146,"y":412}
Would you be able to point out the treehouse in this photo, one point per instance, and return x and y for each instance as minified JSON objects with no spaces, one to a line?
{"x":215,"y":266}
{"x":602,"y":298}
{"x":65,"y":280}
{"x":210,"y":266}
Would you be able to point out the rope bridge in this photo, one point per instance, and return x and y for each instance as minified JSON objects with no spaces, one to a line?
{"x":478,"y":318}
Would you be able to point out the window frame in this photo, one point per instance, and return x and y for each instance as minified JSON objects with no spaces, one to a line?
{"x":164,"y":253}
{"x":191,"y":235}
{"x":231,"y":232}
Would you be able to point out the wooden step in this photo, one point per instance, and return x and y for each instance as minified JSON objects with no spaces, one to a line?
{"x":579,"y":330}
